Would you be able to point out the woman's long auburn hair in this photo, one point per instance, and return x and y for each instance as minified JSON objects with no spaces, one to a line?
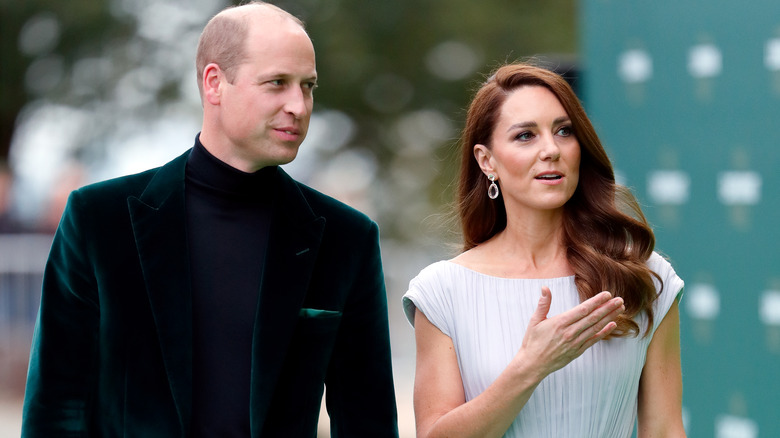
{"x":606,"y":247}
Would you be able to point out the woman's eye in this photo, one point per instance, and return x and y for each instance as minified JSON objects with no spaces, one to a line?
{"x":524,"y":136}
{"x":565,"y":131}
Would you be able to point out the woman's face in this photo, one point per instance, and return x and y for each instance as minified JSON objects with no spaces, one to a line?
{"x":534,"y":155}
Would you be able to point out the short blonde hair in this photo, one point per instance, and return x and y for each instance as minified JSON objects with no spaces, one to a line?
{"x":223,"y":39}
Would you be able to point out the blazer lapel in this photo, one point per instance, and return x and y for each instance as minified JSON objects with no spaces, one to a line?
{"x":295,"y":236}
{"x":158,"y":220}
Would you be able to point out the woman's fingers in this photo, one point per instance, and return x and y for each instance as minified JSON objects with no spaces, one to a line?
{"x":600,"y":323}
{"x":592,"y":310}
{"x":584,"y":309}
{"x":608,"y":311}
{"x":591,"y":321}
{"x":602,"y":328}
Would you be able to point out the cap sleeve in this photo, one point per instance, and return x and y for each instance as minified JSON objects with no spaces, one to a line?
{"x":428,"y":293}
{"x":669,"y":291}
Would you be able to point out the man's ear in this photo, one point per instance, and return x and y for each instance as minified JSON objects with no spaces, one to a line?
{"x":213,"y":78}
{"x":484,"y":158}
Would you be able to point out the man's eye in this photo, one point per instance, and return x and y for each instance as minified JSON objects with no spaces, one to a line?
{"x":277,"y":82}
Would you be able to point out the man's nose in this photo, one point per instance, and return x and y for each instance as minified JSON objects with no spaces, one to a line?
{"x":296,"y":103}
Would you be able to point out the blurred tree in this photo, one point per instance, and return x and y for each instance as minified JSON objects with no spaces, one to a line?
{"x":40,"y":40}
{"x":384,"y":63}
{"x":381,"y":59}
{"x":401,"y":72}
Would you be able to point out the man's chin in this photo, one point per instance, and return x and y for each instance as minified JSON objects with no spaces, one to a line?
{"x":283,"y":158}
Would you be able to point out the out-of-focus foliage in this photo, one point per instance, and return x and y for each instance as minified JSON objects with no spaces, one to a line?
{"x":404,"y":71}
{"x":87,"y":75}
{"x":39,"y":41}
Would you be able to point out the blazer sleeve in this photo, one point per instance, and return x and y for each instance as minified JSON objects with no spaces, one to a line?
{"x":62,"y":370}
{"x":360,"y":395}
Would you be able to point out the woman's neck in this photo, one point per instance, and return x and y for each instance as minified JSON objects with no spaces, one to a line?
{"x":531,"y":247}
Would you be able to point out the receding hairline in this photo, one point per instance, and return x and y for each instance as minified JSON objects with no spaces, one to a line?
{"x":215,"y":46}
{"x":252,"y":9}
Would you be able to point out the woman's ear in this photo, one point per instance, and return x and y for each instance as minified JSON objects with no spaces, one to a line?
{"x":484,"y":158}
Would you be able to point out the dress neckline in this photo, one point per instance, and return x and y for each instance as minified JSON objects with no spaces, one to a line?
{"x":482,"y":274}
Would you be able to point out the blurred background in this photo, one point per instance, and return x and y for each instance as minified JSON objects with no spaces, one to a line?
{"x":684,"y":93}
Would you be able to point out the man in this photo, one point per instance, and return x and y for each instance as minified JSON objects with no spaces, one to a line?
{"x":214,"y":296}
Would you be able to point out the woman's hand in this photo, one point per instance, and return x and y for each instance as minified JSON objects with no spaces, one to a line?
{"x":554,"y":342}
{"x":549,"y":344}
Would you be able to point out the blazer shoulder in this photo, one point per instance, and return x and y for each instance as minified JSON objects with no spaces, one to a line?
{"x":120,"y":188}
{"x":115,"y":189}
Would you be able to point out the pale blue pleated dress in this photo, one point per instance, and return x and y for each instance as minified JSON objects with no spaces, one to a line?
{"x":486,"y":317}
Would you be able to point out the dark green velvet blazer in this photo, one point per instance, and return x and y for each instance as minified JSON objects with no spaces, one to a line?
{"x":112,"y":349}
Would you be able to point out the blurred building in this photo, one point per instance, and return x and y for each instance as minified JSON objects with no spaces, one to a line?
{"x":22,"y":257}
{"x":686,"y":96}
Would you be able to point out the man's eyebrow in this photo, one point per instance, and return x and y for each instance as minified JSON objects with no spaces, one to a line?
{"x":283,"y":75}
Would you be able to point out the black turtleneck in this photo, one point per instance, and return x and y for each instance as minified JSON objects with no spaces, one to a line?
{"x":228,"y":218}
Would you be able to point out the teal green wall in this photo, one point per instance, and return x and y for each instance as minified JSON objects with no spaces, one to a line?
{"x":723,"y":240}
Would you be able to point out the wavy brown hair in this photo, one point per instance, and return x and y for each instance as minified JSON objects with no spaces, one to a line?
{"x":607,"y":238}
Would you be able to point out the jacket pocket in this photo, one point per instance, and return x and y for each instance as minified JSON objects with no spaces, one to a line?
{"x":318,"y":313}
{"x":312,"y":344}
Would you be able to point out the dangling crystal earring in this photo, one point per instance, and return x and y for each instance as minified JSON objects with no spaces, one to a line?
{"x":493,"y":189}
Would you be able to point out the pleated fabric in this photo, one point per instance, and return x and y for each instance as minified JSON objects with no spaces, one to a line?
{"x":486,"y":317}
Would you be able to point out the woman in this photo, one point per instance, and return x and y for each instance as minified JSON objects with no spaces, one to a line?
{"x":540,"y":212}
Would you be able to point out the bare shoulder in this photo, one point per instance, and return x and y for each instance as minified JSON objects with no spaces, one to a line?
{"x":476,"y":258}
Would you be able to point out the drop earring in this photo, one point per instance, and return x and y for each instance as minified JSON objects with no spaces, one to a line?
{"x":493,"y":189}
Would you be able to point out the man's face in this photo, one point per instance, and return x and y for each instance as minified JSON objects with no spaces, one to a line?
{"x":265,"y":111}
